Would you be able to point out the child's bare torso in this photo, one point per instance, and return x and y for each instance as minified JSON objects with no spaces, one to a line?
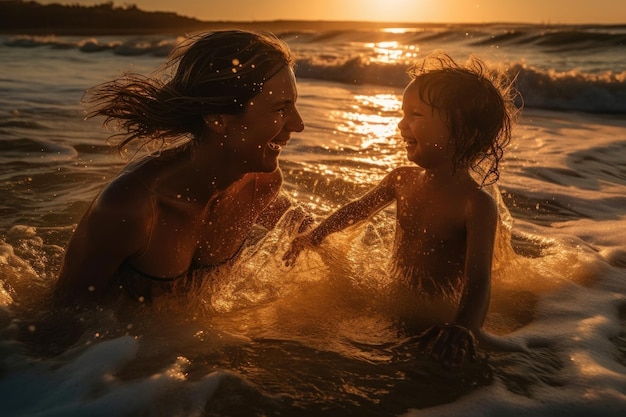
{"x":430,"y":243}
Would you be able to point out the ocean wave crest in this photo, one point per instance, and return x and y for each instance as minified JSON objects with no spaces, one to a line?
{"x":340,"y":56}
{"x":571,"y":90}
{"x":539,"y":88}
{"x":154,"y":46}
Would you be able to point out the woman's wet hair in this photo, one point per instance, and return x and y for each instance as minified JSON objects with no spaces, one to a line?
{"x":212,"y":73}
{"x":478,"y":106}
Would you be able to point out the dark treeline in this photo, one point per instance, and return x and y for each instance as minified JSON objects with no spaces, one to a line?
{"x":29,"y":17}
{"x":32,"y":18}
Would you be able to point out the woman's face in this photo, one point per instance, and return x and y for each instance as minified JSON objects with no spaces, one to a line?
{"x":258,"y":134}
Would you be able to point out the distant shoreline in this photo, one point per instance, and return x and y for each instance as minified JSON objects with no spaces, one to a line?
{"x":20,"y":17}
{"x":272,"y":26}
{"x":31,"y":18}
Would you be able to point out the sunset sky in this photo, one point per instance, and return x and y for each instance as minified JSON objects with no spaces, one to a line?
{"x":435,"y":11}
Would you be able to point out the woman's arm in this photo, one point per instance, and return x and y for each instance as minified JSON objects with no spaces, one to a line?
{"x":116,"y":226}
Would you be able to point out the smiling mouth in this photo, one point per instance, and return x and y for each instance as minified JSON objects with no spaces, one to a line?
{"x":276,"y":146}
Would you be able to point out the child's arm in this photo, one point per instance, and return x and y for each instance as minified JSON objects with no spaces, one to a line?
{"x":348,"y":215}
{"x":452,"y":343}
{"x":482,"y":222}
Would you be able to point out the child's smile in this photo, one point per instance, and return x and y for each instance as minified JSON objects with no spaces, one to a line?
{"x":424,"y":131}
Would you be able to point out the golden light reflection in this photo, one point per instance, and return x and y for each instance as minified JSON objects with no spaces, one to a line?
{"x":399,"y":31}
{"x":381,"y":102}
{"x":374,"y":120}
{"x":384,"y":45}
{"x":363,"y":144}
{"x":392,"y":52}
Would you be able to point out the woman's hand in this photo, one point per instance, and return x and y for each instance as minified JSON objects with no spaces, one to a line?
{"x":450,"y":344}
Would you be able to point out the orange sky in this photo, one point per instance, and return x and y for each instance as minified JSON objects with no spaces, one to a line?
{"x":435,"y":11}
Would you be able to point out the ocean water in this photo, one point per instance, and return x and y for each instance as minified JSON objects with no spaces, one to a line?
{"x":321,"y":338}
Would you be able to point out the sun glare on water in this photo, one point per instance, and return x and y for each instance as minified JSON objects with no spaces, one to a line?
{"x":398,"y":31}
{"x":392,"y":52}
{"x":373,"y":123}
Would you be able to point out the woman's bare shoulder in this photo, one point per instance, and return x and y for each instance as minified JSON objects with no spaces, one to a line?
{"x":126,"y":193}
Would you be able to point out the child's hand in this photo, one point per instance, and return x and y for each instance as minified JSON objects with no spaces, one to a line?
{"x":450,"y":344}
{"x":297,"y":245}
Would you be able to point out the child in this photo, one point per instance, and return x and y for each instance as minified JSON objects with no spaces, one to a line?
{"x":456,"y":118}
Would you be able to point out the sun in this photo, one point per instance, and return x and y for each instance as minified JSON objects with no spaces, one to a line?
{"x":397,"y":10}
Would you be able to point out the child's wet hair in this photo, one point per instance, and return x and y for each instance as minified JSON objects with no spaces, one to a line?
{"x":478,"y":106}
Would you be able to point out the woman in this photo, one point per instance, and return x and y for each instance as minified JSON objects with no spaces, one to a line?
{"x":190,"y":205}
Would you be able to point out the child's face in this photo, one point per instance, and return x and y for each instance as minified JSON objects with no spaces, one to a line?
{"x":426,"y":136}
